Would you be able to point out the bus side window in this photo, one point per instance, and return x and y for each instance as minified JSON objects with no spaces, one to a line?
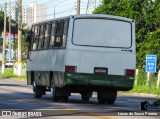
{"x":52,"y":36}
{"x":35,"y":41}
{"x":58,"y":42}
{"x":41,"y":38}
{"x":46,"y":35}
{"x":59,"y":31}
{"x":64,"y":36}
{"x":32,"y":38}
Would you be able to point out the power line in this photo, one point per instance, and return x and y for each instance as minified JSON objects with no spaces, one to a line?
{"x":72,"y":8}
{"x":64,"y":11}
{"x":62,"y":7}
{"x":51,"y":6}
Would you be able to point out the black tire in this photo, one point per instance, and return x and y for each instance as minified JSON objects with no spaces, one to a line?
{"x":85,"y":98}
{"x":37,"y":96}
{"x":64,"y":99}
{"x":100,"y":99}
{"x":108,"y":97}
{"x":111,"y":101}
{"x":36,"y":90}
{"x":53,"y":92}
{"x":112,"y":97}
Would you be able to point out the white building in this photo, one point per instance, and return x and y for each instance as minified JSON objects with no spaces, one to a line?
{"x":35,"y":13}
{"x":31,"y":14}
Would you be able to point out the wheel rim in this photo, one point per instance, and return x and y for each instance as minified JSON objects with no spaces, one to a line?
{"x":34,"y":84}
{"x":35,"y":90}
{"x":52,"y":90}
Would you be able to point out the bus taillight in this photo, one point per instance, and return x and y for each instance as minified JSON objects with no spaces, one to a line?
{"x":129,"y":72}
{"x":70,"y":69}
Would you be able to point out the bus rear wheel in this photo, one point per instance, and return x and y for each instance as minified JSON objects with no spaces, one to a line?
{"x":85,"y":98}
{"x":108,"y":97}
{"x":64,"y":99}
{"x":101,"y":100}
{"x":86,"y":95}
{"x":111,"y":97}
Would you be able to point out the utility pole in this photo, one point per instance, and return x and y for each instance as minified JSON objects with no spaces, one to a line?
{"x":87,"y":7}
{"x":4,"y":39}
{"x":78,"y":7}
{"x":93,"y":4}
{"x":10,"y":43}
{"x":19,"y":37}
{"x":54,"y":11}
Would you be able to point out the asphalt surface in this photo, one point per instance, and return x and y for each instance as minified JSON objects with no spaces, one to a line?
{"x":17,"y":98}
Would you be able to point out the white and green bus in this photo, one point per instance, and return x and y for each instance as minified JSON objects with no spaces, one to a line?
{"x":82,"y":54}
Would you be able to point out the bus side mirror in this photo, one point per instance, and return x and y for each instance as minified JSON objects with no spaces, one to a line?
{"x":28,"y":38}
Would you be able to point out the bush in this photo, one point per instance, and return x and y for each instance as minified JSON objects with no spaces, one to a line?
{"x":142,"y":78}
{"x":8,"y":73}
{"x":142,"y":86}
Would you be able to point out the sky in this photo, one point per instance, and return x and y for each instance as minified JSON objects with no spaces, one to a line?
{"x":62,"y":7}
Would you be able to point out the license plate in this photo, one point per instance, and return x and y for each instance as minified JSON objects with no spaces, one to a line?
{"x":99,"y":70}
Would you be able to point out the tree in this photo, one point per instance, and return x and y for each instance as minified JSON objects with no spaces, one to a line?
{"x":1,"y":29}
{"x":1,"y":21}
{"x":24,"y":43}
{"x":147,"y":16}
{"x":13,"y":29}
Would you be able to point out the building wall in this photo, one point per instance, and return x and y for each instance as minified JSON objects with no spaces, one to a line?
{"x":31,"y":14}
{"x":36,"y":13}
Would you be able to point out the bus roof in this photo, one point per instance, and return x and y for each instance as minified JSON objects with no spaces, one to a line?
{"x":85,"y":16}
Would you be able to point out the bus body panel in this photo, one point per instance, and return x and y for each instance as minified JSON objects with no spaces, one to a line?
{"x":99,"y":82}
{"x":46,"y":60}
{"x":86,"y":61}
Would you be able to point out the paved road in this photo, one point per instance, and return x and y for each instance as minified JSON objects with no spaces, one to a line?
{"x":17,"y":97}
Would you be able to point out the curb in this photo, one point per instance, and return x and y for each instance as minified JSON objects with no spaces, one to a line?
{"x":140,"y":94}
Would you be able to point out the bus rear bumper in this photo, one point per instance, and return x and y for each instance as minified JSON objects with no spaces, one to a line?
{"x":122,"y":83}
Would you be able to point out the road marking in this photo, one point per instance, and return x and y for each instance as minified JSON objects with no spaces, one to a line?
{"x":80,"y":112}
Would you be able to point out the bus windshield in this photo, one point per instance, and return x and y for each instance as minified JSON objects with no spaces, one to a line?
{"x":102,"y":33}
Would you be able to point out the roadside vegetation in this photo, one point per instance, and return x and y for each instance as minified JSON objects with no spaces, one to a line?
{"x":9,"y":74}
{"x":142,"y":86}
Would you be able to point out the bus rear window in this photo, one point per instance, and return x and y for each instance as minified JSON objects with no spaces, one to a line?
{"x":102,"y":33}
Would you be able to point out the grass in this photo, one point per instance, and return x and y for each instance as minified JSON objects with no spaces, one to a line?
{"x":145,"y":89}
{"x":142,"y":86}
{"x":9,"y":74}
